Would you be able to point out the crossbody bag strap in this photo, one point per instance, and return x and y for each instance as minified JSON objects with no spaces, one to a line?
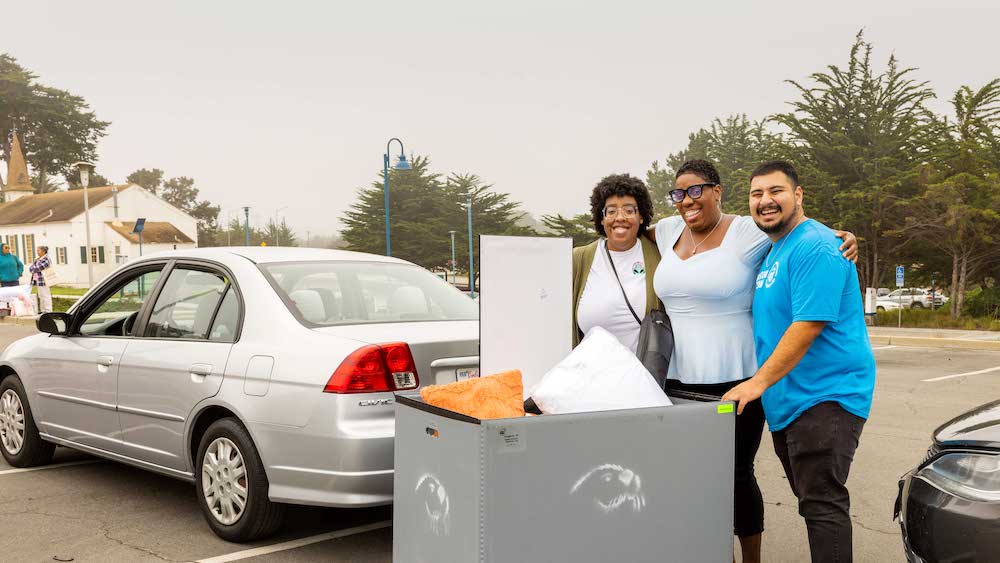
{"x":620,"y":286}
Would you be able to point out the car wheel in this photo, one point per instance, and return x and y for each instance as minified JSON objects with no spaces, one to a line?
{"x":19,"y":440}
{"x":232,"y":486}
{"x":917,"y":305}
{"x":880,"y":308}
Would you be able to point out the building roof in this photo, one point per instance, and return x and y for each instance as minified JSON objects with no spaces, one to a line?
{"x":154,"y":232}
{"x":53,"y":206}
{"x":17,"y":170}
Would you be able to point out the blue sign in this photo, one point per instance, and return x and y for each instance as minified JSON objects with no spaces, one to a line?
{"x":899,"y":276}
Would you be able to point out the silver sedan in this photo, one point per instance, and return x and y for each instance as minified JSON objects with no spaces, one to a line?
{"x":264,"y":376}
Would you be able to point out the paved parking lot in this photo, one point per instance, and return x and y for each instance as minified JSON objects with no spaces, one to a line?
{"x":83,"y":509}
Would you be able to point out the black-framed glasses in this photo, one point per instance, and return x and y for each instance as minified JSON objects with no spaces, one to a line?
{"x":627,"y":211}
{"x":694,"y":191}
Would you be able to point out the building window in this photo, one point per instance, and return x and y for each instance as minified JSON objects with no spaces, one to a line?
{"x":97,"y":254}
{"x":29,"y":248}
{"x":14,"y":247}
{"x":61,"y":255}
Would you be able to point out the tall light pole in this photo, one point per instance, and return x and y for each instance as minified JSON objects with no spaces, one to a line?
{"x":401,"y":164}
{"x":472,"y":272}
{"x":453,"y":277}
{"x":246,"y":228}
{"x":277,"y":233}
{"x":85,"y":168}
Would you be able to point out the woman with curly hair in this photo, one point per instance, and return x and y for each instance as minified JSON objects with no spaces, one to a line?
{"x":622,"y":210}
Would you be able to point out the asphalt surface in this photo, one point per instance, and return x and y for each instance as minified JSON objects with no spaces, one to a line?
{"x":84,"y":509}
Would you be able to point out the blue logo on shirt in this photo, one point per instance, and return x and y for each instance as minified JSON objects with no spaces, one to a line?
{"x":638,"y":268}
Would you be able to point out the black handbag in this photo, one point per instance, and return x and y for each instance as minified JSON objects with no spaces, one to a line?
{"x":656,"y":336}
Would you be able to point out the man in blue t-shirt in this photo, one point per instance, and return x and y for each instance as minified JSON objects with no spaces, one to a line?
{"x":817,"y":371}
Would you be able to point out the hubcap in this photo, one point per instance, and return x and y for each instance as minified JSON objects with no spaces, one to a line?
{"x":224,"y":481}
{"x":11,"y":422}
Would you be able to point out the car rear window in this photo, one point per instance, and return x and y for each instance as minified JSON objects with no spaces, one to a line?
{"x":338,"y":293}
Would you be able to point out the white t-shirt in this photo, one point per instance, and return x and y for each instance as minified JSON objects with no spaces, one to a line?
{"x":709,"y":298}
{"x":602,"y":303}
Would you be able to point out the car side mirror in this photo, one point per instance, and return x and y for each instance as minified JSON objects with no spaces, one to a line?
{"x":54,"y":323}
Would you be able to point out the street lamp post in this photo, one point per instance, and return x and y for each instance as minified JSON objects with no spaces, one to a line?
{"x":85,"y":168}
{"x":472,"y":272}
{"x":246,"y":228}
{"x":453,"y":276}
{"x":401,"y":164}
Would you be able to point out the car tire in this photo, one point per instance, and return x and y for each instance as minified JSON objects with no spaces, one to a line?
{"x":229,"y":467}
{"x":917,"y":305}
{"x":19,"y":440}
{"x":880,"y":308}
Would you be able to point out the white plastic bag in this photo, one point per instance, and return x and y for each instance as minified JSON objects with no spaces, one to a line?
{"x":599,"y":374}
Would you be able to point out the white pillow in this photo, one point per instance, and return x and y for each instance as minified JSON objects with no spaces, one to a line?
{"x":599,"y":374}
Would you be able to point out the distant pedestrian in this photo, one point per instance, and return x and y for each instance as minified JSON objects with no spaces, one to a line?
{"x":11,"y":268}
{"x":37,"y":269}
{"x":817,"y":370}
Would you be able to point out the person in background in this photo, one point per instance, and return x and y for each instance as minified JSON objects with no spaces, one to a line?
{"x":37,"y":270}
{"x":817,"y":370}
{"x":11,"y":267}
{"x":622,"y":209}
{"x":706,"y":279}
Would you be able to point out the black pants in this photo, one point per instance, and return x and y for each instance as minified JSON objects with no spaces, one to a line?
{"x":748,"y":504}
{"x":9,"y":283}
{"x":816,"y":450}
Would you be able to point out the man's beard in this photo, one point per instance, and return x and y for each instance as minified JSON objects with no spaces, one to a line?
{"x":783,"y":226}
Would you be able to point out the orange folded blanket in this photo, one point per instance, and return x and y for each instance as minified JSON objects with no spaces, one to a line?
{"x":493,"y":396}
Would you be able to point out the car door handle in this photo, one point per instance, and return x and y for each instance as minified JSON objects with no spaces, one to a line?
{"x":201,"y":370}
{"x":105,"y":361}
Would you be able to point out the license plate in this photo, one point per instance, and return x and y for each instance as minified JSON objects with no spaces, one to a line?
{"x":468,"y":373}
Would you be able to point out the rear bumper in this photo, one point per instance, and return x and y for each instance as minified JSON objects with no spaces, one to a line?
{"x":938,"y":526}
{"x":325,"y":468}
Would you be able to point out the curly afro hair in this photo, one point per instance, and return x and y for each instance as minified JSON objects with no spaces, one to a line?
{"x":620,"y":185}
{"x":701,"y":168}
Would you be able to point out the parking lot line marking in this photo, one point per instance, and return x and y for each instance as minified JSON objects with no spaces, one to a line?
{"x":53,"y":466}
{"x":294,"y":544}
{"x":942,"y":378}
{"x":883,"y":347}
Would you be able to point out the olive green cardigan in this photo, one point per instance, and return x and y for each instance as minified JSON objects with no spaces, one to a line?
{"x":583,"y":259}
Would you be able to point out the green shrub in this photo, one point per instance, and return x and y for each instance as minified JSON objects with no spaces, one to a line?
{"x":982,"y":302}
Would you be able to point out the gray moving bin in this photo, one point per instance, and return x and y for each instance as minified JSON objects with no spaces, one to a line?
{"x":653,"y":484}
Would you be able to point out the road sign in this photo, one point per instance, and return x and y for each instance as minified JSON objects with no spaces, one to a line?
{"x":899,"y":276}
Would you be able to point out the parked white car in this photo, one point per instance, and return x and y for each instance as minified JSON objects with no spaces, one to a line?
{"x":261,"y":375}
{"x":914,"y":298}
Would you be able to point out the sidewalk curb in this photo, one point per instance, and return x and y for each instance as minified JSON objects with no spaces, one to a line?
{"x":23,"y":321}
{"x":923,"y":342}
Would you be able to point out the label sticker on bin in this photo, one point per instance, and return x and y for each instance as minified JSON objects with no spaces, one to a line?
{"x":727,"y":408}
{"x":507,"y":439}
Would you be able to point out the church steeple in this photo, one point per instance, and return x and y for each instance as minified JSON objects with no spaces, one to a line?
{"x":18,"y":182}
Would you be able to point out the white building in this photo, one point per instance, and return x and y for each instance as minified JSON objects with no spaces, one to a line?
{"x":56,"y":220}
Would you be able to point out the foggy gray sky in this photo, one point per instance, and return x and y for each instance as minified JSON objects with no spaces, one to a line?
{"x":291,"y":103}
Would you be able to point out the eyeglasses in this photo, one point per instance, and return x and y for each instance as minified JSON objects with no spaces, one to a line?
{"x":694,"y":191}
{"x":627,"y":211}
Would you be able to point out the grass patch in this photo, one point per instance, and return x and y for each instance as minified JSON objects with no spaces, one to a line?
{"x":66,"y":290}
{"x":940,"y":318}
{"x":60,"y":305}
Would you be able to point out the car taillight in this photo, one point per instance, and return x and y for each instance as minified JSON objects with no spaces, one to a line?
{"x":375,"y":368}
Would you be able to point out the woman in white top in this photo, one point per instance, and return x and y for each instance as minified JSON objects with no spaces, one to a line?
{"x":708,"y":266}
{"x":621,"y":209}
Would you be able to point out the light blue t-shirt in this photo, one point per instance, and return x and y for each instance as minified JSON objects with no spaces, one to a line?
{"x":805,"y":278}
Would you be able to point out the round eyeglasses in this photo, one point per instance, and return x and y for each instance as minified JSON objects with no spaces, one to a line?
{"x":694,"y":191}
{"x":626,"y":211}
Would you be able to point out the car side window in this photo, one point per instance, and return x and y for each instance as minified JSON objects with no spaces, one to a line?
{"x":186,"y":305}
{"x":227,"y":319}
{"x":116,"y":315}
